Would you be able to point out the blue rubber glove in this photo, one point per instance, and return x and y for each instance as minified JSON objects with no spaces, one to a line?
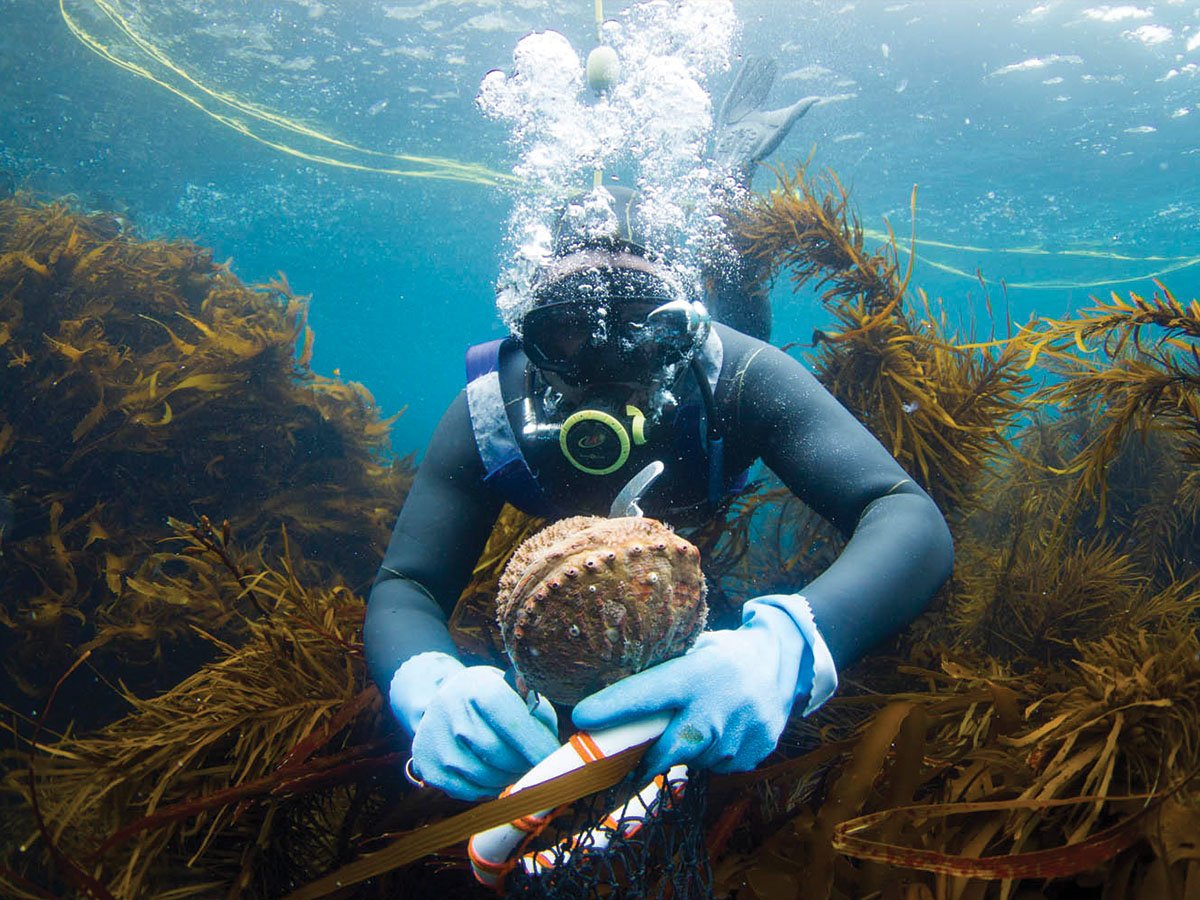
{"x":473,"y":735}
{"x":731,"y":693}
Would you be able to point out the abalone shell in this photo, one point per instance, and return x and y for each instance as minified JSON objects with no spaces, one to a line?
{"x":589,"y":600}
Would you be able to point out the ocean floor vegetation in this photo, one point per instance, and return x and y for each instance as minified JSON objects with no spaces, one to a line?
{"x":141,"y":381}
{"x":189,"y":507}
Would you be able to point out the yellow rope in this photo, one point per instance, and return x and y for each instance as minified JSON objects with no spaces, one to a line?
{"x":1030,"y":251}
{"x":1067,"y":285}
{"x":1173,"y":263}
{"x":436,"y":167}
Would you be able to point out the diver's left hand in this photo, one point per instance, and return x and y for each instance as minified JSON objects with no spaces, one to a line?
{"x":731,"y":694}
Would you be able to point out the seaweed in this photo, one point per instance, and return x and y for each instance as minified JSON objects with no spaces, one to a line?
{"x":944,"y":412}
{"x":1145,"y":384}
{"x":1042,"y":715}
{"x":225,"y":778}
{"x":139,"y":379}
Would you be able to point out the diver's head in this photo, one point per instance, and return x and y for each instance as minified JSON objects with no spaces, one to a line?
{"x":605,"y":310}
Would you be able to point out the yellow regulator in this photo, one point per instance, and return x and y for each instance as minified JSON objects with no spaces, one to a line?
{"x":597,"y":442}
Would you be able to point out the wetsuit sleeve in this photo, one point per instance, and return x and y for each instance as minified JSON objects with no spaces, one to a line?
{"x":438,"y":537}
{"x":899,"y":550}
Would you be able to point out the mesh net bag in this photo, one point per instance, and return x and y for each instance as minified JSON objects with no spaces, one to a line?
{"x":609,"y":846}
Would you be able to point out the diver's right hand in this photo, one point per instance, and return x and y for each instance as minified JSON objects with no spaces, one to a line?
{"x":473,"y":735}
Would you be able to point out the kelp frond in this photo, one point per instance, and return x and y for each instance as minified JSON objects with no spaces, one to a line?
{"x":139,"y":379}
{"x":1034,"y":600}
{"x":815,"y":234}
{"x":1140,"y":383}
{"x":942,"y":411}
{"x":1118,"y":322}
{"x":213,"y":766}
{"x":969,"y":768}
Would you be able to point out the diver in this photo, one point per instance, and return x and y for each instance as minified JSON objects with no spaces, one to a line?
{"x":614,"y":369}
{"x":616,"y":366}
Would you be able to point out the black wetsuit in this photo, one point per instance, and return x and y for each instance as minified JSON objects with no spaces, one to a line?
{"x":770,"y":408}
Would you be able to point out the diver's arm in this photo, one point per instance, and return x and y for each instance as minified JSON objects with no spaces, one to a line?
{"x":438,"y":537}
{"x":730,"y":696}
{"x":472,"y":734}
{"x":899,"y":550}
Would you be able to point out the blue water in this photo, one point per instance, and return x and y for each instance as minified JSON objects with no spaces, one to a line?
{"x":1054,"y":147}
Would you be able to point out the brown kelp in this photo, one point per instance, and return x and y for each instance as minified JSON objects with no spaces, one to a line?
{"x":1040,"y":722}
{"x":973,"y":781}
{"x":139,"y":380}
{"x":251,"y":770}
{"x":1131,"y":367}
{"x":942,"y":411}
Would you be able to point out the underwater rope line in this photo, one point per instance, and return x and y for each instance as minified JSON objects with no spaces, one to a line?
{"x":440,"y":167}
{"x":1177,"y":263}
{"x":444,"y":168}
{"x":1030,"y":251}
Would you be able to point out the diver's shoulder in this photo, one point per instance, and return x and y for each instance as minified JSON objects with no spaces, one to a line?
{"x":738,"y":348}
{"x":756,"y":368}
{"x":735,"y":342}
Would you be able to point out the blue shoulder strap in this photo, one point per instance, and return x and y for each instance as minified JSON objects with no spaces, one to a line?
{"x":504,"y":464}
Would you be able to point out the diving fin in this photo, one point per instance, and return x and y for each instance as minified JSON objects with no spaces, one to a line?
{"x":749,"y":90}
{"x":747,"y":133}
{"x":775,"y":124}
{"x":754,"y":138}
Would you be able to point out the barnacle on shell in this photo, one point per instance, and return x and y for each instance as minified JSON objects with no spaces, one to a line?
{"x":589,"y":600}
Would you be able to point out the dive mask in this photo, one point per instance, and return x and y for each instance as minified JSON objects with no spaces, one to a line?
{"x":612,"y":326}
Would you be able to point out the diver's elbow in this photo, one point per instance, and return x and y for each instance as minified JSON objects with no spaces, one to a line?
{"x":939,"y":543}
